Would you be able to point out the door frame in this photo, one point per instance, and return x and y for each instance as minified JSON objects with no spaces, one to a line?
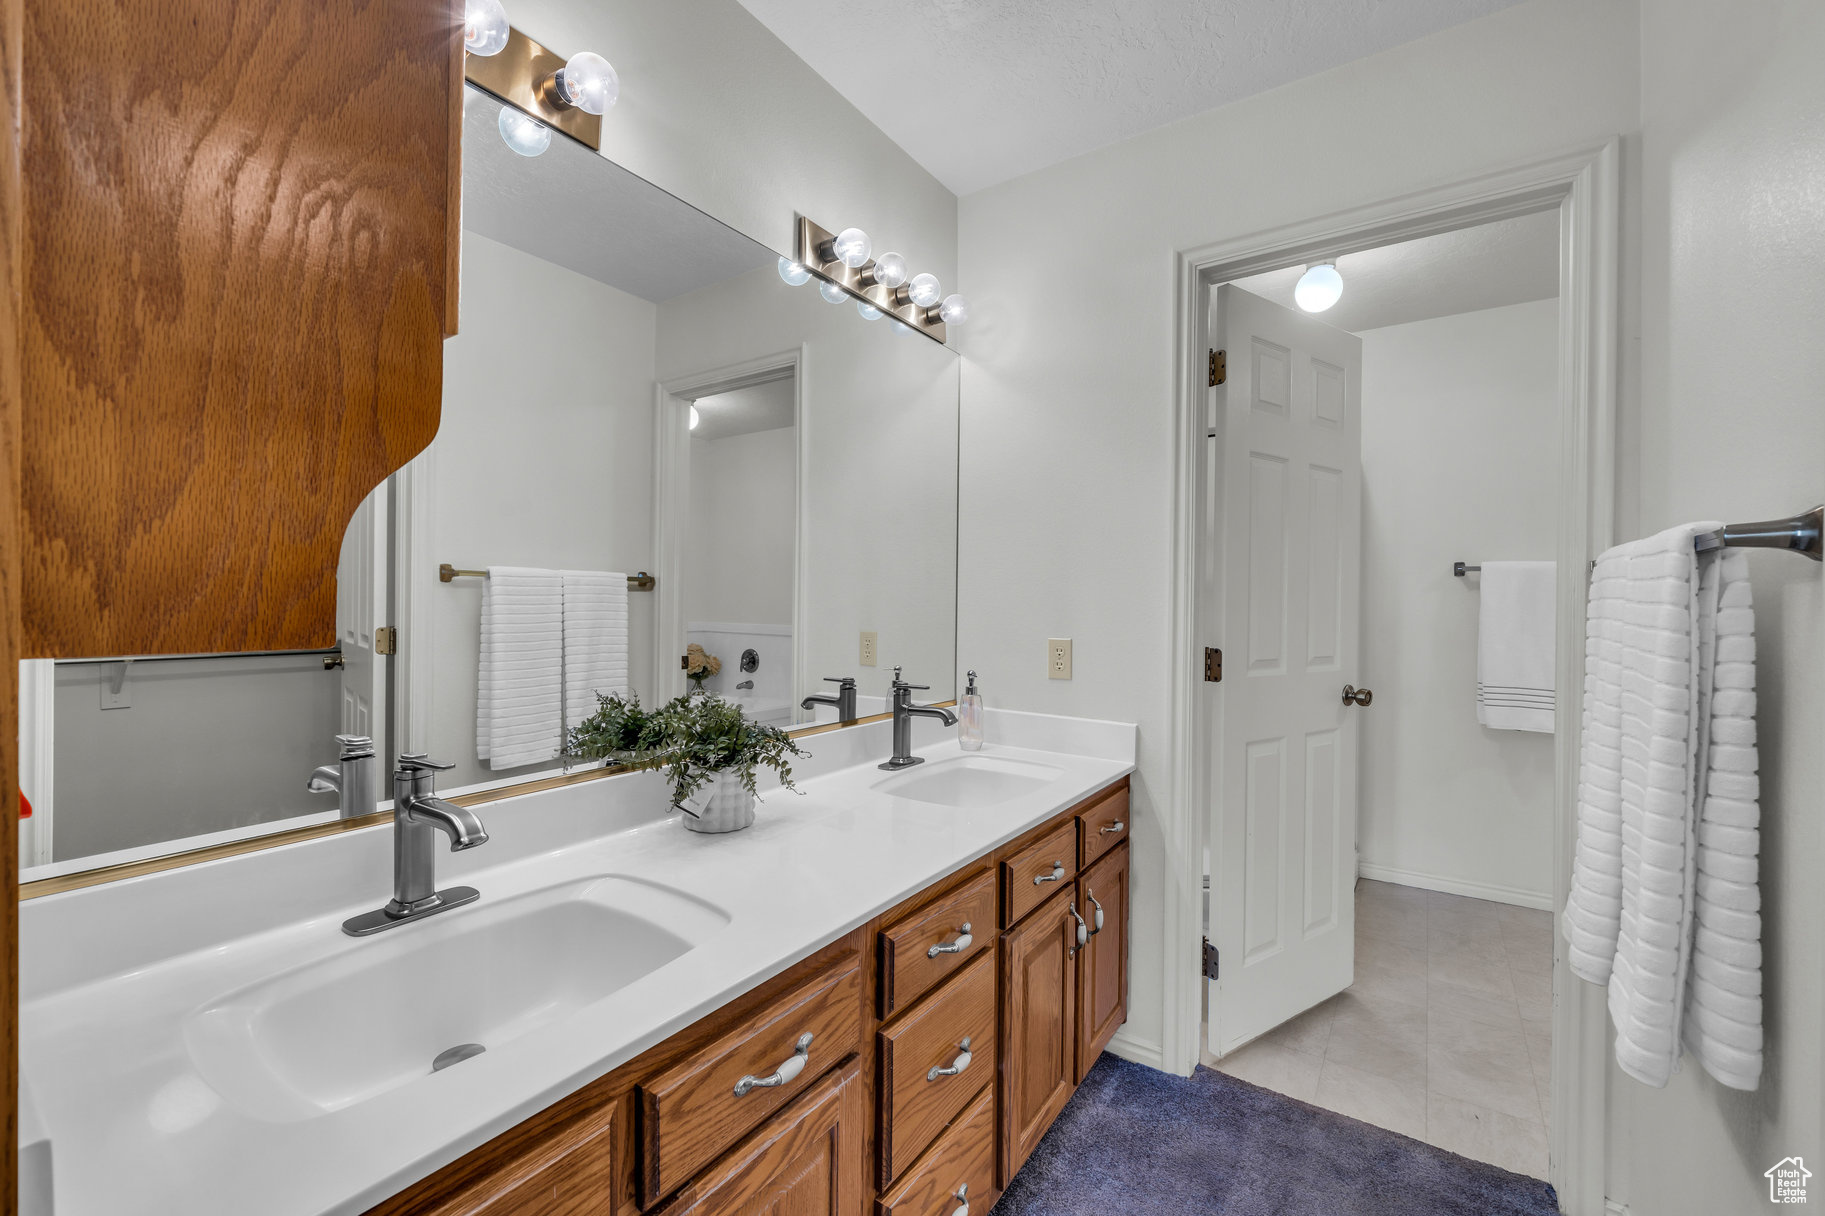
{"x":1583,"y":185}
{"x":671,"y":503}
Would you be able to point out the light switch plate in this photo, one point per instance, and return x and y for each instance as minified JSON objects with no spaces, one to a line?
{"x":868,"y":648}
{"x":1058,"y":658}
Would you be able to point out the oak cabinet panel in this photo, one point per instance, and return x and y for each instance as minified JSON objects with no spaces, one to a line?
{"x":1038,"y":1027}
{"x":924,"y":947}
{"x":1102,"y":964}
{"x":917,"y":1102}
{"x":1038,"y":872}
{"x":958,"y":1169}
{"x":1102,"y":825}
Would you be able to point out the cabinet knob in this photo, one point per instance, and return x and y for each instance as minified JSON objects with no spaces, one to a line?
{"x":957,"y":1065}
{"x":957,"y":945}
{"x":794,"y":1064}
{"x":1058,"y":872}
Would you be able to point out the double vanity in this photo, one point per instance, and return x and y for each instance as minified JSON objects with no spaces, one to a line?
{"x":876,"y":998}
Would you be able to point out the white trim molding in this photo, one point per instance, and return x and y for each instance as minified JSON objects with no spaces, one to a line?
{"x":1136,"y":1051}
{"x":1582,"y":186}
{"x":1520,"y":898}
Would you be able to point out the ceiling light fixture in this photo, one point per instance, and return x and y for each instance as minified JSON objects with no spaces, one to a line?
{"x":694,"y":418}
{"x":522,"y":132}
{"x":586,"y":82}
{"x":484,"y":27}
{"x":1319,"y":287}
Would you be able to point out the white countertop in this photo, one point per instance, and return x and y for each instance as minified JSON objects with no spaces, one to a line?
{"x":109,"y":974}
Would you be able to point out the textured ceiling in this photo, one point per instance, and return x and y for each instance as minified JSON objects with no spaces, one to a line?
{"x":1508,"y":262}
{"x":980,"y":91}
{"x":586,"y":213}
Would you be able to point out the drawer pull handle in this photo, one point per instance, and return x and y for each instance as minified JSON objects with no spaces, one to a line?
{"x":795,"y":1064}
{"x":1117,"y":826}
{"x":1083,"y":930}
{"x":1097,"y":920}
{"x":1058,"y":872}
{"x":963,"y":1199}
{"x":956,"y":945}
{"x":957,"y":1065}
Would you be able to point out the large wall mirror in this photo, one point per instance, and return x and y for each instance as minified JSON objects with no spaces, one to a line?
{"x":635,"y":390}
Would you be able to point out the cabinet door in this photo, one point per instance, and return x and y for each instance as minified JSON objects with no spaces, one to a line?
{"x":807,"y":1160}
{"x":543,"y":1167}
{"x":1039,"y":1031}
{"x":1102,"y":965}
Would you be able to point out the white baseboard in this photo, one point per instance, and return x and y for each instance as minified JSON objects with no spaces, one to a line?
{"x":1542,"y":900}
{"x":1612,"y":1208}
{"x":1137,"y":1051}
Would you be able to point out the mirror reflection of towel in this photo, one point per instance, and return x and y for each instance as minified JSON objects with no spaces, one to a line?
{"x":1516,"y":646}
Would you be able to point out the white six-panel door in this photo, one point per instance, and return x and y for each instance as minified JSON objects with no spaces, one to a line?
{"x":1286,"y":512}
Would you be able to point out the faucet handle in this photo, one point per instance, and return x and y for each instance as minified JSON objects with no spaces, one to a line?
{"x":355,"y":747}
{"x":419,"y":762}
{"x":841,"y":681}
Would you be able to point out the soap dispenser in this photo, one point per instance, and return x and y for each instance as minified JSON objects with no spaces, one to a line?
{"x":969,"y":718}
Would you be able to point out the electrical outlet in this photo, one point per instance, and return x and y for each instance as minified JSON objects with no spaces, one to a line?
{"x":868,"y":648}
{"x":1058,"y":658}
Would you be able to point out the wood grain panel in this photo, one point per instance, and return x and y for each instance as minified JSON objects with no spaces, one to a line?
{"x":236,"y":250}
{"x":1038,"y":1028}
{"x":1103,"y":824}
{"x":909,"y":969}
{"x":805,"y":1161}
{"x":961,"y":1162}
{"x":1102,"y":965}
{"x":556,"y":1168}
{"x":915,"y":1106}
{"x":11,"y":76}
{"x":1027,"y":878}
{"x":689,"y":1113}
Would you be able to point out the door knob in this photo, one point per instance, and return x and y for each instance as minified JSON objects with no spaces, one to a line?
{"x":1357,"y":696}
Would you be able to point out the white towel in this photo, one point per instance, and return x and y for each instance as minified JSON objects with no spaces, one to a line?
{"x":1664,"y":906}
{"x":595,"y":640}
{"x":1517,"y":633}
{"x":520,"y":673}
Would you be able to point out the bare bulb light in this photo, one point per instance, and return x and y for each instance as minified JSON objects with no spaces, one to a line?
{"x":793,"y":274}
{"x":694,"y":418}
{"x":851,"y":248}
{"x":890,"y":270}
{"x":832,"y":293}
{"x":1319,"y":287}
{"x":587,"y":82}
{"x":523,"y":133}
{"x":867,"y":311}
{"x":924,"y":290}
{"x":900,"y":329}
{"x":484,"y":27}
{"x":954,"y":311}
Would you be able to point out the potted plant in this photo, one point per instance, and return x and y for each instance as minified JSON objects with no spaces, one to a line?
{"x":699,"y":666}
{"x":621,"y":731}
{"x":712,"y":755}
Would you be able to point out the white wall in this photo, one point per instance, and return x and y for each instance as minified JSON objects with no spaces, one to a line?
{"x":716,"y":110}
{"x":544,"y":458}
{"x":1460,"y":434}
{"x":1067,"y":448}
{"x":1731,"y":425}
{"x":742,"y":537}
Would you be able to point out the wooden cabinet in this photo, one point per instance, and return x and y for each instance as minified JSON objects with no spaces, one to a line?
{"x":932,"y":1062}
{"x":1102,"y":824}
{"x":1038,"y":872}
{"x":1038,"y":1027}
{"x":959,"y":1169}
{"x":804,"y":1161}
{"x":924,"y":947}
{"x":551,"y":1166}
{"x":1102,"y":964}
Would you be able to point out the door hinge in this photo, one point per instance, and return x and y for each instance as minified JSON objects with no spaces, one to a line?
{"x":1213,"y":665}
{"x":1210,"y":960}
{"x":1219,"y":367}
{"x":386,"y":640}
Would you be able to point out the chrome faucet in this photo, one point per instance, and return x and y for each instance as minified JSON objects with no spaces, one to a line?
{"x":904,"y":711}
{"x":418,"y":815}
{"x":352,"y":776}
{"x":843,"y":701}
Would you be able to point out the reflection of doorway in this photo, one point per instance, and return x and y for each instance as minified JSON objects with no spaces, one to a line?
{"x":728,"y":533}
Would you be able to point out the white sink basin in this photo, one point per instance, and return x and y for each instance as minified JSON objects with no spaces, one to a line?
{"x":969,"y":780}
{"x":337,"y":1032}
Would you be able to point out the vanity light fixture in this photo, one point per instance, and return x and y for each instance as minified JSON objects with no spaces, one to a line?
{"x":1319,"y":287}
{"x":556,"y":93}
{"x":881,"y":287}
{"x":831,"y":292}
{"x":523,"y":133}
{"x":924,"y":290}
{"x":586,"y":82}
{"x":954,"y":311}
{"x":889,"y":270}
{"x":792,"y":273}
{"x":867,"y":311}
{"x":851,"y":248}
{"x":484,"y":27}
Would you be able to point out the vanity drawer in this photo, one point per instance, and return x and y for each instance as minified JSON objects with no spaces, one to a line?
{"x":1038,"y":871}
{"x":691,"y":1112}
{"x":540,"y":1168}
{"x":959,"y":1168}
{"x":909,"y":968}
{"x":1103,"y":824}
{"x":916,"y":1100}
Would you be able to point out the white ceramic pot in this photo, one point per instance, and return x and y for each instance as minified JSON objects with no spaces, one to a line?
{"x":721,"y":806}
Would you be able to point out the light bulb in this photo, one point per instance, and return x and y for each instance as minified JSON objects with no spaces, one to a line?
{"x":523,"y":133}
{"x":792,"y":272}
{"x":954,"y":311}
{"x":851,"y":248}
{"x":924,"y":290}
{"x":867,"y":311}
{"x":484,"y":27}
{"x":587,"y":82}
{"x":900,"y":329}
{"x":693,"y":417}
{"x":890,"y":270}
{"x":832,"y":293}
{"x":1319,"y":287}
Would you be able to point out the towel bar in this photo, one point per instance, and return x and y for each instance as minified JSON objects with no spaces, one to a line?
{"x":1799,"y":534}
{"x":635,"y":582}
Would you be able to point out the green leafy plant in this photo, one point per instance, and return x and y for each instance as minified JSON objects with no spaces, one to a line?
{"x":691,"y":739}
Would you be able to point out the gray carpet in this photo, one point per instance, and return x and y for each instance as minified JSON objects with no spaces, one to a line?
{"x":1139,"y":1142}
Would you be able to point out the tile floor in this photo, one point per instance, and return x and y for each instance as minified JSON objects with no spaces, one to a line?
{"x":1445,"y":1035}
